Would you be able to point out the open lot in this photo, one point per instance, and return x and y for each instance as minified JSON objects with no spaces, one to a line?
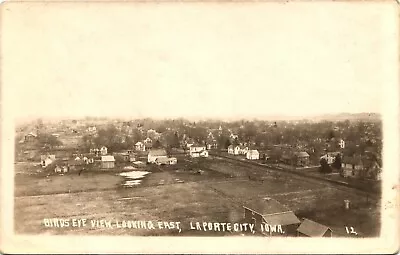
{"x":193,"y":190}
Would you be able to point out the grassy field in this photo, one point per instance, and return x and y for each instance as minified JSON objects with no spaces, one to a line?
{"x":176,"y":193}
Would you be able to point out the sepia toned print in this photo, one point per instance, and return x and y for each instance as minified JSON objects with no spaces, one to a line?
{"x":244,"y":124}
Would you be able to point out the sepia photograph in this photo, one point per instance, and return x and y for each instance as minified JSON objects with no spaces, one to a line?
{"x":200,"y":127}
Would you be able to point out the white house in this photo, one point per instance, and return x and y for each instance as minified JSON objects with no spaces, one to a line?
{"x":92,"y":129}
{"x":103,"y":150}
{"x":156,"y":153}
{"x":330,"y":157}
{"x":57,"y":169}
{"x":253,"y":155}
{"x":198,"y":151}
{"x":139,"y":146}
{"x":46,"y":160}
{"x":234,"y":150}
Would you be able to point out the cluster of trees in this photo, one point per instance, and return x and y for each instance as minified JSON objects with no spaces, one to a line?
{"x":315,"y":137}
{"x":110,"y":137}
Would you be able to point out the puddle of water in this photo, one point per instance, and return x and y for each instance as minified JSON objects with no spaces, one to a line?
{"x":132,"y":183}
{"x":135,"y":176}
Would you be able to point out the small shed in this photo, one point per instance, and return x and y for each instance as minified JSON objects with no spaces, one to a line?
{"x":313,"y":229}
{"x":58,"y":169}
{"x":107,"y":162}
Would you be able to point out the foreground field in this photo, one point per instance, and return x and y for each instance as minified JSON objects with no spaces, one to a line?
{"x":193,"y":190}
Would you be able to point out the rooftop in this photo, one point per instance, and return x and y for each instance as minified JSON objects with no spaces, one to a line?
{"x":284,"y":218}
{"x":312,"y":229}
{"x":266,"y":206}
{"x":107,"y":158}
{"x":158,"y":152}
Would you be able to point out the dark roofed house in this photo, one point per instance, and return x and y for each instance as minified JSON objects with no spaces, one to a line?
{"x":75,"y":164}
{"x":302,"y":158}
{"x":287,"y":158}
{"x":313,"y":229}
{"x":269,"y":211}
{"x":352,"y":166}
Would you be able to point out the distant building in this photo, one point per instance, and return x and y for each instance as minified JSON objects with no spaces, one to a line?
{"x":342,"y":143}
{"x":139,"y":146}
{"x":75,"y":164}
{"x":358,"y":167}
{"x":313,"y":229}
{"x":270,"y":211}
{"x":302,"y":158}
{"x":236,"y":150}
{"x":173,"y":161}
{"x":253,"y":155}
{"x":107,"y":162}
{"x":46,"y":160}
{"x":156,"y":153}
{"x":91,"y":129}
{"x":103,"y":150}
{"x":162,"y":161}
{"x":198,"y":151}
{"x":330,"y":157}
{"x":242,"y":150}
{"x":30,"y":137}
{"x":166,"y":161}
{"x":58,"y":169}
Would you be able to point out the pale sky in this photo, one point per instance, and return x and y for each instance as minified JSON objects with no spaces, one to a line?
{"x":207,"y":60}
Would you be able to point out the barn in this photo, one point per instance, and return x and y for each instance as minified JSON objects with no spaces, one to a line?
{"x":156,"y":153}
{"x":270,"y":211}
